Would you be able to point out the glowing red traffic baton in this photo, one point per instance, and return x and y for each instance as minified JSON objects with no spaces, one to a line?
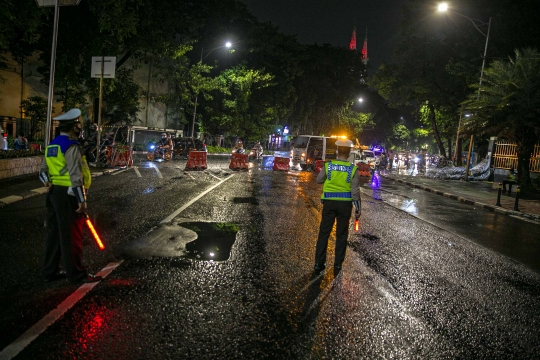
{"x":356,"y":225}
{"x":94,"y":233}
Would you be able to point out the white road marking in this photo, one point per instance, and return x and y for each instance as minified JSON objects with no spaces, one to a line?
{"x":42,"y":190}
{"x":182,"y":208}
{"x":188,"y":174}
{"x":158,"y":173}
{"x":31,"y":334}
{"x":11,"y":199}
{"x":209,"y":173}
{"x":136,"y":168}
{"x":118,"y":172}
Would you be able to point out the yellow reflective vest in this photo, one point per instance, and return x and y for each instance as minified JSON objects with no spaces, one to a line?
{"x":56,"y":162}
{"x":338,"y":180}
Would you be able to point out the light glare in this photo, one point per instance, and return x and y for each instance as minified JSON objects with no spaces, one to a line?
{"x":443,"y":7}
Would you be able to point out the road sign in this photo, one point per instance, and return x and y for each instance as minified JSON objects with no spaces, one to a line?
{"x":109,"y":66}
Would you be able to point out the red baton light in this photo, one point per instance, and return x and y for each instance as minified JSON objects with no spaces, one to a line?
{"x":356,"y":225}
{"x":94,"y":233}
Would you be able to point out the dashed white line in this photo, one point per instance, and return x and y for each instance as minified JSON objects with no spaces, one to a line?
{"x":137,"y":171}
{"x":119,"y":172}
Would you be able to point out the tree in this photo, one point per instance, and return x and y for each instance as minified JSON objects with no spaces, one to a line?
{"x":509,"y":105}
{"x":36,"y":109}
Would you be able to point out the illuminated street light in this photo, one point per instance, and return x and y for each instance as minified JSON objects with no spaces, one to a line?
{"x":55,"y":4}
{"x":443,"y":7}
{"x":228,"y":44}
{"x":361,"y":99}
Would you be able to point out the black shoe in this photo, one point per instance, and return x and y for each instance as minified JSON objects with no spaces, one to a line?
{"x":319,"y":268}
{"x":58,"y":276}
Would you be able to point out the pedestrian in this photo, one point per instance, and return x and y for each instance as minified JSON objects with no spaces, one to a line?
{"x":390,"y":159}
{"x":510,"y":180}
{"x":20,"y":143}
{"x":341,"y":190}
{"x":67,"y":176}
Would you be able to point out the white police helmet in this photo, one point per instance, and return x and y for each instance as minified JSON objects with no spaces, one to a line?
{"x":71,"y":115}
{"x":344,"y":143}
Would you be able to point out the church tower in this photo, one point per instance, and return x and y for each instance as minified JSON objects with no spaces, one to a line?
{"x":352,"y":44}
{"x":364,"y":55}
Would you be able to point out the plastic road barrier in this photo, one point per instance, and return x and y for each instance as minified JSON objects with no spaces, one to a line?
{"x":239,"y":162}
{"x":121,"y":156}
{"x":196,"y":160}
{"x":364,"y":169}
{"x":281,"y":164}
{"x":319,"y":165}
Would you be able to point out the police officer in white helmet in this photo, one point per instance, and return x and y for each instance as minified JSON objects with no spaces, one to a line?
{"x":67,"y":176}
{"x":341,"y":190}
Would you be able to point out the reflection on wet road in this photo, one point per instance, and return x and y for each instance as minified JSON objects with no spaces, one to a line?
{"x":507,"y":235}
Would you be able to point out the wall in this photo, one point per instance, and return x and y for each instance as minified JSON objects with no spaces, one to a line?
{"x":19,"y":166}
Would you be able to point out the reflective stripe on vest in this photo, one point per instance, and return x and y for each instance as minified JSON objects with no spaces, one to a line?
{"x":338,"y":180}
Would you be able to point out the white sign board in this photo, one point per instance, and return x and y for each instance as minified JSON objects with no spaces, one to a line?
{"x":109,"y":66}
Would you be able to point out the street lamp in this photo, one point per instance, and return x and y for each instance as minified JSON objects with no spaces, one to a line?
{"x":443,"y":7}
{"x":361,"y":99}
{"x":56,"y":4}
{"x":228,"y":44}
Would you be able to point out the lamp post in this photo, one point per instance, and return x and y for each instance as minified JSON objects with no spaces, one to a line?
{"x":228,"y":44}
{"x":443,"y":7}
{"x":50,"y":96}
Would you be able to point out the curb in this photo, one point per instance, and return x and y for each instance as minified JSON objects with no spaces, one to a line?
{"x":42,"y":190}
{"x":481,"y":205}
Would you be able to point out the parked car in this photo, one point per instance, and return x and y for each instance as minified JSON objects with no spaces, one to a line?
{"x":183,"y":145}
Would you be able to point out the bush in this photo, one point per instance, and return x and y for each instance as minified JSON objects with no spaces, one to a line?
{"x":218,"y":150}
{"x":11,"y":154}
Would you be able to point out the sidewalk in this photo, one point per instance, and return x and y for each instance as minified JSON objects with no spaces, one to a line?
{"x":476,"y":193}
{"x":16,"y":189}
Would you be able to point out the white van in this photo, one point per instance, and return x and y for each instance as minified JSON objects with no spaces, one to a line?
{"x":309,"y":148}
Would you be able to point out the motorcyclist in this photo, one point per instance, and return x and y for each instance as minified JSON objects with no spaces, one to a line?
{"x":258,"y":149}
{"x":238,"y":148}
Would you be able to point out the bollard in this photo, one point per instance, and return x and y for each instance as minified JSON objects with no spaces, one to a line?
{"x":499,"y":196}
{"x":517,"y":199}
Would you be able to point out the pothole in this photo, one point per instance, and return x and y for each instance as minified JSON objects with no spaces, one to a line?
{"x":214,"y":240}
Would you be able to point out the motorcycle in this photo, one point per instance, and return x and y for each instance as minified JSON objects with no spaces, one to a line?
{"x":256,"y":153}
{"x":156,"y":152}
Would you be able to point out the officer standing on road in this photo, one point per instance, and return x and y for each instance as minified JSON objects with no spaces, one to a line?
{"x":66,"y":175}
{"x":341,"y":190}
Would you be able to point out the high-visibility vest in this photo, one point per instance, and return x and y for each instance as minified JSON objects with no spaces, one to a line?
{"x":56,"y":162}
{"x":338,"y":180}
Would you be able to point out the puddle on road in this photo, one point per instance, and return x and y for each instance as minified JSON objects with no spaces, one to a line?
{"x":214,"y":240}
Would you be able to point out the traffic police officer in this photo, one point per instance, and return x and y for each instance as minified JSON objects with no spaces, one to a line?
{"x":341,"y":190}
{"x":66,"y":174}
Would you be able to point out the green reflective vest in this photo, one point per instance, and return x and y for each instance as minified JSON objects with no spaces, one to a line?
{"x":56,"y":162}
{"x":337,"y":186}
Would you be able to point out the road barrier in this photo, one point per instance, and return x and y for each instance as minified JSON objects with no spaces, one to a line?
{"x":364,"y":169}
{"x":319,"y":165}
{"x":120,"y":155}
{"x":281,"y":164}
{"x":239,"y":162}
{"x":196,"y":160}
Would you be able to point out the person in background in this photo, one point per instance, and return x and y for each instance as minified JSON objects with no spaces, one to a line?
{"x":510,"y":180}
{"x":66,"y":175}
{"x":341,"y":190}
{"x":20,"y":142}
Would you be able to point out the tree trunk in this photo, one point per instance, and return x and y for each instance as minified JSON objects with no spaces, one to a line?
{"x":435,"y":130}
{"x":449,"y":145}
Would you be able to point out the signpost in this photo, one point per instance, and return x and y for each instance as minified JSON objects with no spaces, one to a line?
{"x":102,"y":67}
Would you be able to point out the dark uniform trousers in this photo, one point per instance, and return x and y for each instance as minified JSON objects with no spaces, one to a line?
{"x":64,"y":234}
{"x":332,"y":210}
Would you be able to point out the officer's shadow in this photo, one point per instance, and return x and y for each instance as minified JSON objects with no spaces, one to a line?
{"x":317,"y":291}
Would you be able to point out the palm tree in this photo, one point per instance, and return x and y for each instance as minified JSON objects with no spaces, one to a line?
{"x":509,"y":105}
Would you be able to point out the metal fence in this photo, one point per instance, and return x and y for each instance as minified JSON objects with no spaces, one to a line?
{"x":505,"y":156}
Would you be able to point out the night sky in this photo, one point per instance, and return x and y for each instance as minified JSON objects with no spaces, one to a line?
{"x":332,"y":21}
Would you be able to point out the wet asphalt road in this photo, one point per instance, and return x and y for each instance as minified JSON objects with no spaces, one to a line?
{"x":411,"y":287}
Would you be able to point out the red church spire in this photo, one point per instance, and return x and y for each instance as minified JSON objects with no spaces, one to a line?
{"x":352,"y":44}
{"x":364,"y":55}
